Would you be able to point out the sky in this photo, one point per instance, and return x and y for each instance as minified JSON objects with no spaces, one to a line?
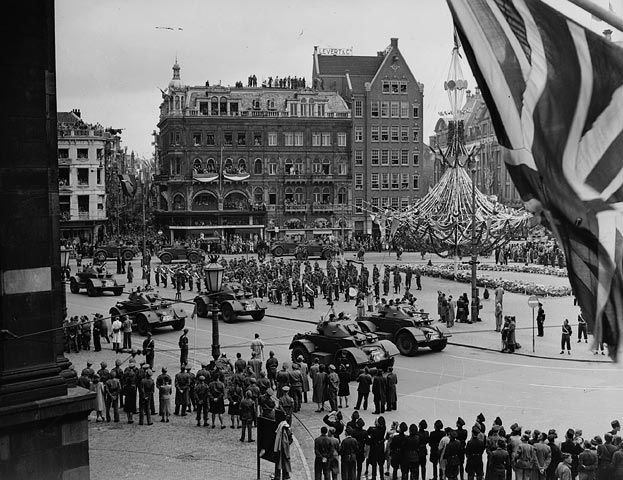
{"x":111,"y":59}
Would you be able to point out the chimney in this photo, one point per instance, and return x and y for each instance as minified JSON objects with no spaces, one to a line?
{"x":608,"y":34}
{"x":394,"y":42}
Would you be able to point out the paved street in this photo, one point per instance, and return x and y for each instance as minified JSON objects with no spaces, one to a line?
{"x":543,"y":390}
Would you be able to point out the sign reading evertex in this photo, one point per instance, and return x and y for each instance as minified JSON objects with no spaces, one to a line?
{"x":335,"y":51}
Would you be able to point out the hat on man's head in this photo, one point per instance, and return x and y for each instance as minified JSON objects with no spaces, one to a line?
{"x":480,"y":417}
{"x":615,"y":424}
{"x":515,"y":427}
{"x":596,"y":440}
{"x":300,"y":358}
{"x":145,"y":365}
{"x":164,"y":369}
{"x":331,"y":367}
{"x":285,"y":388}
{"x":552,"y":431}
{"x":132,"y":362}
{"x":498,"y":421}
{"x":460,"y":422}
{"x":89,"y":363}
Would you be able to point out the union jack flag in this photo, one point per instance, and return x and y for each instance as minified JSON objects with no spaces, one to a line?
{"x":555,"y":94}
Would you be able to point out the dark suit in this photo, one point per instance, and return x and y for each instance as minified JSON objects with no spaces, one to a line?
{"x":323,"y":448}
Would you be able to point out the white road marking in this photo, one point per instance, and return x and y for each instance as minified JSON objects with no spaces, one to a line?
{"x":546,"y":367}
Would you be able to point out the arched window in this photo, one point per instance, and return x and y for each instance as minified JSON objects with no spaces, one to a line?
{"x":223,"y":107}
{"x":326,"y":195}
{"x":229,"y":165}
{"x":341,"y":196}
{"x":205,"y":201}
{"x":326,"y":166}
{"x":317,"y":195}
{"x":210,"y":165}
{"x":257,"y":166}
{"x":299,"y":167}
{"x":236,"y":201}
{"x":316,"y":166}
{"x":242,"y":165}
{"x":288,"y":167}
{"x":214,"y":106}
{"x":179,"y":202}
{"x":289,"y":195}
{"x":272,"y":196}
{"x":198,"y":166}
{"x":164,"y":205}
{"x":304,"y":107}
{"x":258,"y":195}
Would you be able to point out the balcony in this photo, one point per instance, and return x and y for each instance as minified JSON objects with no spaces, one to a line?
{"x":322,"y":207}
{"x":252,"y":113}
{"x":295,"y":177}
{"x":295,"y":208}
{"x":65,"y":161}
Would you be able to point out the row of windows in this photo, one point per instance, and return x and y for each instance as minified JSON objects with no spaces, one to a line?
{"x":290,"y":139}
{"x":81,"y":153}
{"x":394,"y":86}
{"x":387,"y":109}
{"x":290,"y":166}
{"x":386,"y":181}
{"x":383,"y":202}
{"x":385,"y":133}
{"x":388,"y":157}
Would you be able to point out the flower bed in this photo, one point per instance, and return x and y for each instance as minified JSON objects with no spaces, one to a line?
{"x":516,"y":286}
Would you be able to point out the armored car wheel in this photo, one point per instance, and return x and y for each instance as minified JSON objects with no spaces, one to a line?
{"x":406,"y":344}
{"x":278,"y":251}
{"x":202,"y":308}
{"x":101,"y":255}
{"x":166,"y":258}
{"x":257,"y":316}
{"x":128,"y":255}
{"x":193,"y":257}
{"x":227,"y":311}
{"x":91,"y":290}
{"x":143,"y":325}
{"x":73,"y":286}
{"x":299,"y":350}
{"x":439,"y":346}
{"x":179,"y":324}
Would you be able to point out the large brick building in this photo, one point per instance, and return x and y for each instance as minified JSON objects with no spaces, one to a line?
{"x":252,"y":161}
{"x":492,"y":178}
{"x":386,"y":102}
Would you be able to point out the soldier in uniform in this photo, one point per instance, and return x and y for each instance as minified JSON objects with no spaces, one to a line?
{"x":183,"y":344}
{"x":103,"y":372}
{"x":201,"y":400}
{"x":296,"y":386}
{"x":112,"y":389}
{"x":146,"y":392}
{"x":247,"y":415}
{"x":192,"y":380}
{"x":271,"y":367}
{"x":163,"y":379}
{"x":149,"y":350}
{"x":182,"y":385}
{"x":267,"y":404}
{"x":89,"y":372}
{"x":286,"y":403}
{"x":235,"y":394}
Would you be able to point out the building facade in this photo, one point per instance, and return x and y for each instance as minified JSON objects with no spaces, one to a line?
{"x":492,"y":177}
{"x":252,"y":161}
{"x":84,"y":152}
{"x":387,"y":145}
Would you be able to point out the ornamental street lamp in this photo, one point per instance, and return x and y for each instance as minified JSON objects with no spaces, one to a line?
{"x":214,"y":279}
{"x":65,"y":253}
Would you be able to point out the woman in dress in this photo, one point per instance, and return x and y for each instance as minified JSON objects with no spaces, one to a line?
{"x":100,"y":402}
{"x":217,"y":399}
{"x":319,"y":385}
{"x":343,"y":391}
{"x":165,"y":391}
{"x":234,"y":395}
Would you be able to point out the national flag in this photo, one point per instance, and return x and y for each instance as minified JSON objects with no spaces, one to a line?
{"x":555,"y":94}
{"x":128,"y":184}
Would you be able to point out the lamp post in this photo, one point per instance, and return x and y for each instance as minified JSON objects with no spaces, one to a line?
{"x":214,"y":280}
{"x":474,"y":260}
{"x":65,"y":253}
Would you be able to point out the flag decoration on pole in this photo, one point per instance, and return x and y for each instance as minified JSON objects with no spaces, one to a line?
{"x":128,"y":184}
{"x":555,"y":93}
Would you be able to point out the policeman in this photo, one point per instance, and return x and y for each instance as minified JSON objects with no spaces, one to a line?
{"x":183,"y":344}
{"x":146,"y":392}
{"x":149,"y":348}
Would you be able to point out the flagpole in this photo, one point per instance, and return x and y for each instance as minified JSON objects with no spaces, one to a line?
{"x":600,"y":12}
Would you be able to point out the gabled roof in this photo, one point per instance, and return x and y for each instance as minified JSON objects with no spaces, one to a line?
{"x":355,"y":65}
{"x":67,"y":117}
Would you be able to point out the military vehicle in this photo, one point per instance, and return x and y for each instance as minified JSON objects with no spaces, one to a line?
{"x":234,"y":302}
{"x":342,"y":342}
{"x":96,"y":280}
{"x":148,"y":311}
{"x":187,"y":254}
{"x":304,"y":250}
{"x":408,"y":328}
{"x":127,"y":252}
